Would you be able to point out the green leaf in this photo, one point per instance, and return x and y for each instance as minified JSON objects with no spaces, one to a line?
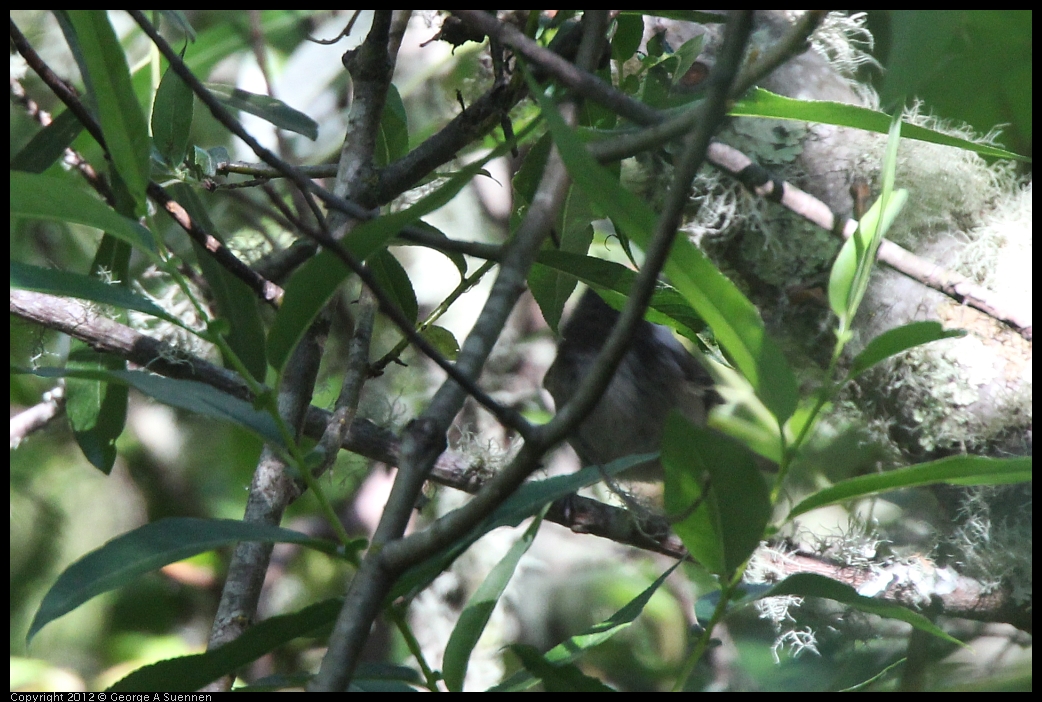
{"x":762,"y":103}
{"x":894,"y":341}
{"x":97,"y":410}
{"x":921,"y":48}
{"x":45,"y":197}
{"x":392,"y":139}
{"x":629,"y":33}
{"x":392,"y":278}
{"x":149,"y":548}
{"x":443,"y":341}
{"x":458,"y":259}
{"x":551,"y":289}
{"x":696,"y":16}
{"x":188,"y":673}
{"x":474,"y":617}
{"x":48,"y":145}
{"x":525,"y":502}
{"x":236,"y":303}
{"x":686,"y":55}
{"x":64,"y":283}
{"x":734,"y":320}
{"x":267,"y":108}
{"x":184,"y":394}
{"x":850,"y":274}
{"x":307,"y":291}
{"x":313,"y":284}
{"x":814,"y":585}
{"x":574,"y":647}
{"x":562,"y":677}
{"x":108,"y":80}
{"x":667,"y":306}
{"x":729,"y":520}
{"x":955,"y":470}
{"x":172,"y":117}
{"x":178,"y":19}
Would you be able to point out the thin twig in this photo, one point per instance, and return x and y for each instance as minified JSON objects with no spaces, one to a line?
{"x":266,"y":290}
{"x":455,"y":470}
{"x":508,"y":416}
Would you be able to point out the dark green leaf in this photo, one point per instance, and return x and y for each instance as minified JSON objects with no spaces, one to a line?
{"x":443,"y":341}
{"x":394,"y":281}
{"x":667,"y":306}
{"x":184,"y":394}
{"x":267,"y":108}
{"x":563,"y":677}
{"x":97,"y":410}
{"x":629,"y":33}
{"x":682,"y":15}
{"x":526,"y":501}
{"x":56,"y":282}
{"x":177,"y":18}
{"x":149,"y":548}
{"x":189,"y":673}
{"x":571,"y":649}
{"x":920,"y":43}
{"x":314,"y":283}
{"x":392,"y":140}
{"x":575,"y":234}
{"x":814,"y":585}
{"x":172,"y":117}
{"x":458,"y":259}
{"x":48,"y":144}
{"x":236,"y":303}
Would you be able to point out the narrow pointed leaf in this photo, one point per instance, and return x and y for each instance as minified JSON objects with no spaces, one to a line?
{"x":149,"y":548}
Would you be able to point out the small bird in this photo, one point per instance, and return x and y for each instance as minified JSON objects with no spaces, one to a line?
{"x":657,"y":374}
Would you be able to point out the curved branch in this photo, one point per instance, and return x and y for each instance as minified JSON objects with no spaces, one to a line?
{"x":461,"y":472}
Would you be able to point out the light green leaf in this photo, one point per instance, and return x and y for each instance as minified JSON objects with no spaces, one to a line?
{"x":954,"y":470}
{"x":894,"y":341}
{"x":762,"y":103}
{"x":122,"y":121}
{"x":727,"y":522}
{"x":45,"y":197}
{"x":474,"y":617}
